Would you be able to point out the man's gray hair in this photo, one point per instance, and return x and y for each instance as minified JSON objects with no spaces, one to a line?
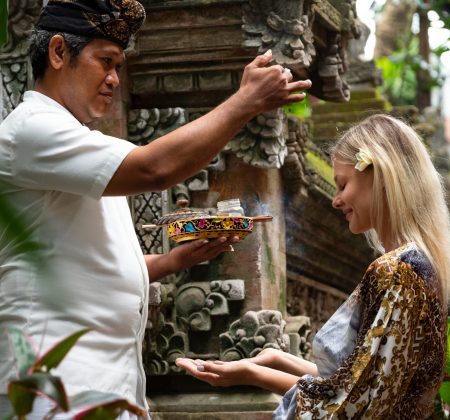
{"x":38,"y":49}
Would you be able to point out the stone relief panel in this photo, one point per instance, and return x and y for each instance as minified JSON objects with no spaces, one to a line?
{"x":178,"y":314}
{"x":313,"y":299}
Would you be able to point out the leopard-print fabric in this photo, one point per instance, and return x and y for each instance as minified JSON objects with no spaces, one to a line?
{"x":397,"y":364}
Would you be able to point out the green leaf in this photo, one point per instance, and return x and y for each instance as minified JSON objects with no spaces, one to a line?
{"x":22,"y":392}
{"x":100,"y":405}
{"x":21,"y":399}
{"x":22,"y":350}
{"x":444,"y":392}
{"x":447,"y":352}
{"x":3,"y":22}
{"x":53,"y":357}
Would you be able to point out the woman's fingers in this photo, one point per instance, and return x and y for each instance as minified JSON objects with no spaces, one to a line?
{"x":197,"y":370}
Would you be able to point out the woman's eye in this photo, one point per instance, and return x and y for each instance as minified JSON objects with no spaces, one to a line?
{"x":107,"y":60}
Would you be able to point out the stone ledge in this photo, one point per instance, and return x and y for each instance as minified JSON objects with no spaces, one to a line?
{"x":217,"y":405}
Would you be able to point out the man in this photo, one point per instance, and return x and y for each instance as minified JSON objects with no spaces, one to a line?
{"x":65,"y":181}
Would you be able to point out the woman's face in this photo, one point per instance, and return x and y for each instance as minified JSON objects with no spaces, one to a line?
{"x":354,"y":195}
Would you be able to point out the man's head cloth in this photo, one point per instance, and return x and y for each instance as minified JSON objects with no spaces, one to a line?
{"x":115,"y":20}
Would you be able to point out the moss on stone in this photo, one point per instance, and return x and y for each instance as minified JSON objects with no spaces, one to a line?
{"x":320,"y":166}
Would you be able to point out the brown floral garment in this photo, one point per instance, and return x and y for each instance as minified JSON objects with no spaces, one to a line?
{"x":397,"y":364}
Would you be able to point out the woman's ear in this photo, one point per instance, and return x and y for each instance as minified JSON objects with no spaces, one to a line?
{"x":57,"y":51}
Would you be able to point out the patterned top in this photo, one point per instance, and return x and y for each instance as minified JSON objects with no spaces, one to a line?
{"x":395,"y":366}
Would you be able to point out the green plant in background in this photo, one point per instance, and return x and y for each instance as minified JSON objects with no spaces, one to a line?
{"x":3,"y":22}
{"x":399,"y":74}
{"x":444,"y":390}
{"x":35,"y":378}
{"x":410,"y":69}
{"x":301,"y":110}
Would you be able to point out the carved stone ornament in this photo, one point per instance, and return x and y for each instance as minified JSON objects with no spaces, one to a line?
{"x":21,"y":17}
{"x":294,"y":168}
{"x":176,"y":312}
{"x":282,"y":26}
{"x":262,"y":143}
{"x":253,"y":332}
{"x":332,"y":66}
{"x":13,"y":84}
{"x":14,"y":77}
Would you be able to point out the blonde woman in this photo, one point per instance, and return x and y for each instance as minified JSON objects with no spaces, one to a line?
{"x":381,"y":355}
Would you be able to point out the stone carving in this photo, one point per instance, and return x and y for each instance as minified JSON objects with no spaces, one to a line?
{"x":332,"y":64}
{"x":282,"y":26}
{"x":262,"y":143}
{"x":196,"y":303}
{"x":178,"y":311}
{"x":14,"y":77}
{"x":21,"y":16}
{"x":253,"y":332}
{"x":145,"y":125}
{"x":311,"y":300}
{"x":147,"y":208}
{"x":299,"y":330}
{"x":286,"y":27}
{"x":294,"y":168}
{"x":13,"y":83}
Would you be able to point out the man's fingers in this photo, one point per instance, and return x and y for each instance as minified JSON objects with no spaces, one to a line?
{"x":299,"y":85}
{"x":295,"y":97}
{"x":288,"y":74}
{"x":261,"y":60}
{"x":198,"y":243}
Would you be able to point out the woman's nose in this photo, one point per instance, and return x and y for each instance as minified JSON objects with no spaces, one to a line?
{"x":337,"y":202}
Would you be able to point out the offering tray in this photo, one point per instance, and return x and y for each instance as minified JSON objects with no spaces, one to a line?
{"x":189,"y":225}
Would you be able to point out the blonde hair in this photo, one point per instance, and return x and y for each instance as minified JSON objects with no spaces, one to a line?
{"x":406,"y":186}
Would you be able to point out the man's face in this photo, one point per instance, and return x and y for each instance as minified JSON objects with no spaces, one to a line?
{"x":89,"y":82}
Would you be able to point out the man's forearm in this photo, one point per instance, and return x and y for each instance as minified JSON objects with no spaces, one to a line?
{"x":158,"y":266}
{"x":183,"y":152}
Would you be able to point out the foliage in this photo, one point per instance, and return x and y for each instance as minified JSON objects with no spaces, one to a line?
{"x":3,"y":22}
{"x":35,"y":378}
{"x":400,"y":69}
{"x":301,"y":109}
{"x":444,"y":390}
{"x":441,"y":7}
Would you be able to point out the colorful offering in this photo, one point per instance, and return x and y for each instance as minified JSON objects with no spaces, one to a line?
{"x":210,"y":227}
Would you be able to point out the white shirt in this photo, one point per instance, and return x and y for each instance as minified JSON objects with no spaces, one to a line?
{"x":55,"y":171}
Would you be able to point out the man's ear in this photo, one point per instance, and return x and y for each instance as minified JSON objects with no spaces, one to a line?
{"x":57,"y":51}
